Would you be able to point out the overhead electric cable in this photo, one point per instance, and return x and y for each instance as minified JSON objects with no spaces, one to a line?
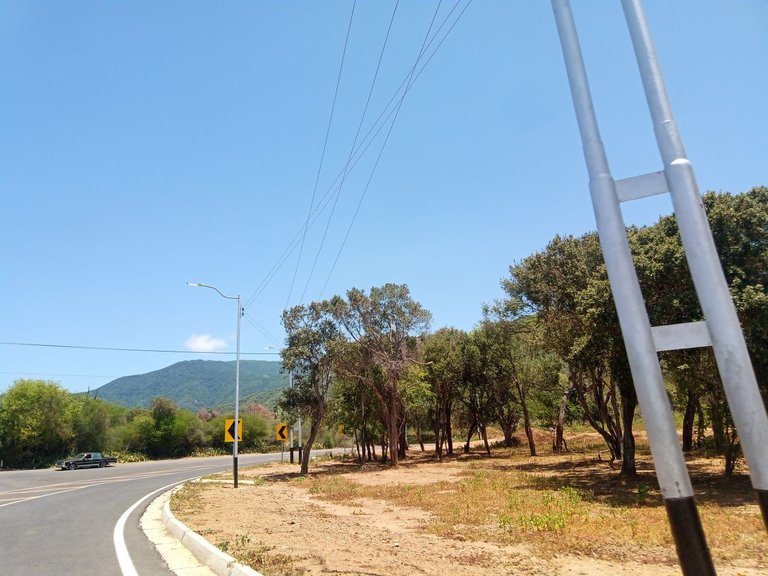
{"x":322,"y":156}
{"x":411,"y":80}
{"x":381,"y":121}
{"x":111,"y":349}
{"x":351,"y":151}
{"x":29,"y":374}
{"x":260,"y":328}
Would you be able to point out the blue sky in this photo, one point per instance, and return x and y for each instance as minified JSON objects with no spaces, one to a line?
{"x":144,"y":145}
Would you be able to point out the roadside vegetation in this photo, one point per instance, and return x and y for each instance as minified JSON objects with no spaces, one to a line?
{"x":41,"y":422}
{"x":549,"y":354}
{"x":368,"y":370}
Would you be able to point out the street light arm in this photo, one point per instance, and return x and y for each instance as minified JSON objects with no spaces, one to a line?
{"x":198,"y":285}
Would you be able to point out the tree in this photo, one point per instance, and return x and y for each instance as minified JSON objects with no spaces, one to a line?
{"x":91,"y":425}
{"x":566,"y":287}
{"x":475,"y":392}
{"x":417,"y":399}
{"x":445,"y":368}
{"x":523,"y":373}
{"x":739,"y":225}
{"x":35,"y":423}
{"x":387,"y":324}
{"x":312,"y":337}
{"x":355,"y":407}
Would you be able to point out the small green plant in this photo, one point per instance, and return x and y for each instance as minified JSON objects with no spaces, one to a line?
{"x":243,"y":541}
{"x":548,"y":521}
{"x":643,"y":491}
{"x":548,"y":512}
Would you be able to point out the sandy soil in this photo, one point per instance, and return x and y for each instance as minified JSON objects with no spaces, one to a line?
{"x":280,"y":518}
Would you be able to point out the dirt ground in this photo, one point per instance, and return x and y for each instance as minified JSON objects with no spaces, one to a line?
{"x":277,"y":523}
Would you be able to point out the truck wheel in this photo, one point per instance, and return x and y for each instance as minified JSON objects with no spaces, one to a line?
{"x":72,"y":466}
{"x":102,"y":464}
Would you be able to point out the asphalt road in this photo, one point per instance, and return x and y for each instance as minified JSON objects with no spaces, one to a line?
{"x":64,"y":522}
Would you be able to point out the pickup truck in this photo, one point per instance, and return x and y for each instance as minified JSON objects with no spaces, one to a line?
{"x":85,"y":460}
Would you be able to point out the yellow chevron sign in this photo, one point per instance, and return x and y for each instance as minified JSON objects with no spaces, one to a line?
{"x":229,"y":430}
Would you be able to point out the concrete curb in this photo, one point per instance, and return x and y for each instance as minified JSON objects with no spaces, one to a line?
{"x":219,"y":562}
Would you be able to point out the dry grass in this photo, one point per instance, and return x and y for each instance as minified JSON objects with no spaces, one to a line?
{"x":570,"y":503}
{"x":573,"y":503}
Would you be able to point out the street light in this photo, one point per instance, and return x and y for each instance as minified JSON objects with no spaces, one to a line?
{"x":237,"y":373}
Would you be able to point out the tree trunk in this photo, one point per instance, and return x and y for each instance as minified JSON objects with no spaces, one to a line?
{"x":448,"y":429}
{"x":628,"y":467}
{"x":317,"y":420}
{"x":701,"y":424}
{"x":484,"y":434}
{"x":508,"y":430}
{"x":384,"y":448}
{"x":402,"y":447}
{"x":688,"y":421}
{"x":529,"y":433}
{"x":559,"y":445}
{"x":418,"y":437}
{"x":437,"y":428}
{"x":613,"y":443}
{"x":392,"y":423}
{"x":358,"y":444}
{"x":521,"y":392}
{"x":469,"y":436}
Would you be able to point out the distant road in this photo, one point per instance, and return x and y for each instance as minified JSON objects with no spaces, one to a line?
{"x":62,"y":522}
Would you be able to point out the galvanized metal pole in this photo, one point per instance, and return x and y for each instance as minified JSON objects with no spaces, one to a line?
{"x":738,"y":377}
{"x":669,"y":462}
{"x":240,"y":312}
{"x":290,"y":432}
{"x":237,"y":395}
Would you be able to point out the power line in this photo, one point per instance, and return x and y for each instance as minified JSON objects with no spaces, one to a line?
{"x":351,"y":151}
{"x":260,"y":328}
{"x":59,"y":375}
{"x":389,"y":110}
{"x":111,"y":349}
{"x":411,"y":79}
{"x":322,"y":156}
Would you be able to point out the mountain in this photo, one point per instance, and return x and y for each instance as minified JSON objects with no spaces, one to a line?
{"x":196,"y":384}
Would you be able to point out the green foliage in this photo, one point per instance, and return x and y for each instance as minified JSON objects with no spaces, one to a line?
{"x":91,"y":423}
{"x":41,"y":422}
{"x":35,"y":423}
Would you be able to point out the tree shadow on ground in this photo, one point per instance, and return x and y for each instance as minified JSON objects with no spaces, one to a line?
{"x":602,"y":481}
{"x":595,"y":478}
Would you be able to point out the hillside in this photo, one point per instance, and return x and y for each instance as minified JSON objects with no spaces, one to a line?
{"x":196,"y":384}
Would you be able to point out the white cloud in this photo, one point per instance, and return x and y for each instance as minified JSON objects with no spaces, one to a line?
{"x":204,"y":343}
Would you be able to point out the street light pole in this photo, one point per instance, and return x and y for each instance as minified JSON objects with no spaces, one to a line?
{"x":237,"y":375}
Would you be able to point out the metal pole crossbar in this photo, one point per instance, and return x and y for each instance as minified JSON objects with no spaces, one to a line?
{"x":721,"y":329}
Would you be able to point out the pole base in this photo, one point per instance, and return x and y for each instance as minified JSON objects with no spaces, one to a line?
{"x":762,"y":500}
{"x":692,"y":549}
{"x":234,"y":469}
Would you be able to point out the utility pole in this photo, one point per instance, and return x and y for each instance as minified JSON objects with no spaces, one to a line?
{"x":720,"y":329}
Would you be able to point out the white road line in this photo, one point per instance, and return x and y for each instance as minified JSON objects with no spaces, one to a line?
{"x":118,"y":536}
{"x":42,"y":496}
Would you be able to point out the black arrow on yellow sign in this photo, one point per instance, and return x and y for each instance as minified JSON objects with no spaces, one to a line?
{"x":229,"y":430}
{"x":281,"y":432}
